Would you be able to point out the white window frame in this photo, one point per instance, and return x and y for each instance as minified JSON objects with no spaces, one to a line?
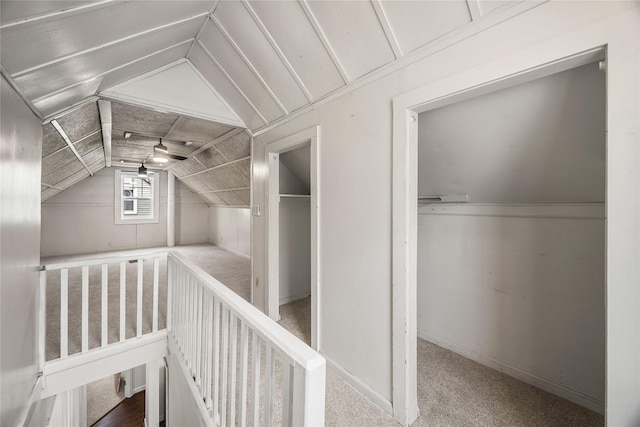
{"x":120,"y":217}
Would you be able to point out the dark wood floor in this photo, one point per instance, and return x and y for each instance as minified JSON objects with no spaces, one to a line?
{"x":129,"y":413}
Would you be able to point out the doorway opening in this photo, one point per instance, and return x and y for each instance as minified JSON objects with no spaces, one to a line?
{"x":420,"y":207}
{"x":293,"y":233}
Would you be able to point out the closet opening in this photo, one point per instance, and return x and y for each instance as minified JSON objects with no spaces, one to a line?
{"x":293,"y":234}
{"x":511,"y":273}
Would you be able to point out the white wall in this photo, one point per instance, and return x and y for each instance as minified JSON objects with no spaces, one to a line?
{"x":230,"y":228}
{"x":181,"y":409}
{"x":81,"y":219}
{"x":295,"y":249}
{"x":523,"y":294}
{"x":355,"y":190}
{"x":21,"y":136}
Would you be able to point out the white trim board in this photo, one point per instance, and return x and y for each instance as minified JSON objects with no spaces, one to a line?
{"x":272,"y":152}
{"x":541,"y":383}
{"x":296,"y":297}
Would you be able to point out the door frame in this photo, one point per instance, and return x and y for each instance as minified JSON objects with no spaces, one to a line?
{"x":273,"y":149}
{"x":406,"y":107}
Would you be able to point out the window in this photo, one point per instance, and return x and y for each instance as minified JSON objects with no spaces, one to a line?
{"x":136,"y":199}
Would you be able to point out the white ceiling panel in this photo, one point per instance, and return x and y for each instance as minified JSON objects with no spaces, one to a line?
{"x":12,"y":11}
{"x":246,"y":34}
{"x":216,"y":77}
{"x":144,"y":65}
{"x":305,"y":51}
{"x":355,"y":34}
{"x":417,"y":23}
{"x":63,"y":100}
{"x":62,"y":74}
{"x":218,"y":46}
{"x":52,"y":39}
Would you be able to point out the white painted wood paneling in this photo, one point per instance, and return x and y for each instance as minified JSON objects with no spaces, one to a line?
{"x":418,"y":23}
{"x":230,"y":228}
{"x":21,"y":135}
{"x":225,"y":86}
{"x":537,"y":142}
{"x":62,"y":74}
{"x":13,"y":11}
{"x":524,"y":293}
{"x":144,"y":65}
{"x":70,"y":97}
{"x":177,"y":88}
{"x":487,"y":6}
{"x":53,"y":39}
{"x":218,"y":46}
{"x":356,"y":217}
{"x":247,"y":35}
{"x":305,"y":51}
{"x":295,"y":249}
{"x":355,"y":34}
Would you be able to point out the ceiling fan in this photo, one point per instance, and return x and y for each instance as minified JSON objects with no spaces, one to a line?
{"x":160,"y":152}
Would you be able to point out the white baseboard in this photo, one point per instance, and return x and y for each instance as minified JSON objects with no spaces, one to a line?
{"x":360,"y":387}
{"x":541,"y":383}
{"x":291,"y":298}
{"x":233,"y":251}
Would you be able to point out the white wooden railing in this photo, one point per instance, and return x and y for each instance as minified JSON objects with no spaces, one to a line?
{"x":228,"y":349}
{"x":58,"y":274}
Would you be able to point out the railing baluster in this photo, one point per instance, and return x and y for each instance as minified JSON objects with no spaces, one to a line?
{"x":233,"y":354}
{"x":287,"y":394}
{"x":170,"y":285}
{"x":225,"y":364}
{"x":64,"y":312}
{"x":156,"y":277}
{"x":255,"y":374}
{"x":198,"y":354}
{"x":268,"y":387}
{"x":216,"y":355}
{"x":123,"y":301}
{"x":85,"y":308}
{"x":209,"y":348}
{"x":244,"y":361}
{"x":42,"y":313}
{"x":139,"y":301}
{"x":105,"y":305}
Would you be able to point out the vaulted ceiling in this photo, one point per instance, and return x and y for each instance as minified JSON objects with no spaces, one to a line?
{"x":265,"y":59}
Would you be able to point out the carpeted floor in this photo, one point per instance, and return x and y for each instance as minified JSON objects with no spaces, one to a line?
{"x":452,"y":390}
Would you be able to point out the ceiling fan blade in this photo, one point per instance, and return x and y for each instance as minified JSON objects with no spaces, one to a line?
{"x":176,"y":157}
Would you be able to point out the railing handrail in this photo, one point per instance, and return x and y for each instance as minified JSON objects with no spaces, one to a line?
{"x":99,"y":261}
{"x":293,"y":350}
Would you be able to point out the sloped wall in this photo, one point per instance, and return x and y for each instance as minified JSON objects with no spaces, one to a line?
{"x":21,"y":136}
{"x":81,"y":219}
{"x":230,"y":228}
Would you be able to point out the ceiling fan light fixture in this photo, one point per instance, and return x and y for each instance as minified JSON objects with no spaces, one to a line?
{"x":160,"y":153}
{"x":142,"y":171}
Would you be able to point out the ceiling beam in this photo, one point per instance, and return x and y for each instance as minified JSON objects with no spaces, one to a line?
{"x":225,"y":136}
{"x":244,"y":95}
{"x":275,"y":47}
{"x":104,"y":107}
{"x":52,"y":186}
{"x":64,"y":136}
{"x":218,"y":167}
{"x":325,"y":41}
{"x":246,"y":60}
{"x":386,"y":27}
